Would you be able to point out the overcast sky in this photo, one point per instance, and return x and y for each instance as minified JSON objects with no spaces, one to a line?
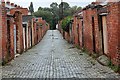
{"x":46,"y":3}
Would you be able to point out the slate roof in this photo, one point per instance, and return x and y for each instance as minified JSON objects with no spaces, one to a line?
{"x":26,"y":18}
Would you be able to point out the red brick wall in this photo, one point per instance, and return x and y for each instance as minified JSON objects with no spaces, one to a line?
{"x":96,"y":32}
{"x":34,"y":29}
{"x":4,"y":34}
{"x":6,"y":55}
{"x":87,"y":19}
{"x":113,"y":26}
{"x":112,"y":29}
{"x":118,"y":55}
{"x":75,"y":31}
{"x":67,"y":36}
{"x":0,"y":33}
{"x":24,"y":11}
{"x":12,"y":38}
{"x":88,"y":30}
{"x":19,"y":27}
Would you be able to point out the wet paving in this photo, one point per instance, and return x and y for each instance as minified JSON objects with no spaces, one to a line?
{"x":53,"y":57}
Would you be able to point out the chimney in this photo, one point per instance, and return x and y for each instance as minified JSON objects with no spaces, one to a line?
{"x":15,"y":5}
{"x":3,"y":3}
{"x":8,"y":2}
{"x":12,"y":4}
{"x":18,"y":6}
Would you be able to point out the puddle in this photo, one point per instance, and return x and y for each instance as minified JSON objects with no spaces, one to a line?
{"x":55,"y":37}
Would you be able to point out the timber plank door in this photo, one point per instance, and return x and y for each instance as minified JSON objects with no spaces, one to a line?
{"x":25,"y":36}
{"x":15,"y":41}
{"x":93,"y":35}
{"x":82,"y":33}
{"x":105,"y":35}
{"x":8,"y":38}
{"x":78,"y":34}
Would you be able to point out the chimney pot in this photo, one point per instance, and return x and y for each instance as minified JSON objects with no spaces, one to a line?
{"x":18,"y":6}
{"x":8,"y":2}
{"x":15,"y":5}
{"x":12,"y":4}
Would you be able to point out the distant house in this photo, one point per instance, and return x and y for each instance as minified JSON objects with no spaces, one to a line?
{"x":27,"y":31}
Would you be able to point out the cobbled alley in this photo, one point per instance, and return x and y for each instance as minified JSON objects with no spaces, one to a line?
{"x":54,"y":57}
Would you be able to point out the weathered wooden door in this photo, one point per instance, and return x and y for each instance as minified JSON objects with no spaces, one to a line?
{"x":24,"y":38}
{"x":105,"y":35}
{"x":93,"y":35}
{"x":15,"y":42}
{"x":78,"y":34}
{"x":8,"y":38}
{"x":82,"y":33}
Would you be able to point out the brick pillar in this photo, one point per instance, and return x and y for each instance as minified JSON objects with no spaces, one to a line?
{"x":19,"y":30}
{"x":12,"y":38}
{"x":0,"y":34}
{"x":119,"y":37}
{"x":4,"y":34}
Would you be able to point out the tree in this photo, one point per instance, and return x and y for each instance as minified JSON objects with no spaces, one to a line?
{"x":65,"y":23}
{"x":55,"y":11}
{"x":74,"y":9}
{"x":31,"y":9}
{"x":53,"y":14}
{"x":40,"y":8}
{"x":65,"y":5}
{"x":63,"y":9}
{"x":54,"y":5}
{"x":46,"y":15}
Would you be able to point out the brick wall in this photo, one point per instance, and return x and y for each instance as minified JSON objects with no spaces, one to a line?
{"x":113,"y":25}
{"x":90,"y":31}
{"x":118,"y":56}
{"x":0,"y":34}
{"x":24,"y":11}
{"x":11,"y":38}
{"x":74,"y":30}
{"x":7,"y":36}
{"x":19,"y":28}
{"x":87,"y":20}
{"x":7,"y":24}
{"x":4,"y":34}
{"x":112,"y":31}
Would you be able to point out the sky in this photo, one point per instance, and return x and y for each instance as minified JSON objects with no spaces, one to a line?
{"x":46,"y":3}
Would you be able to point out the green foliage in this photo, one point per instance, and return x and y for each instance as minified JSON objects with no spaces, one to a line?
{"x":65,"y":10}
{"x":65,"y":22}
{"x":77,"y":46}
{"x":113,"y":67}
{"x":46,"y":15}
{"x":56,"y":12}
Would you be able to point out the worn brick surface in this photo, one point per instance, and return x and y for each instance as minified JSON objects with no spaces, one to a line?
{"x":53,"y":57}
{"x":0,"y":33}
